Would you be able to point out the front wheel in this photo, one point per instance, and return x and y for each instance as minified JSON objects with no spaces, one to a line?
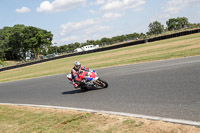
{"x":102,"y":83}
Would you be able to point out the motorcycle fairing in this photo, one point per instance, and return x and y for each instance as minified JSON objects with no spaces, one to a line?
{"x":88,"y":78}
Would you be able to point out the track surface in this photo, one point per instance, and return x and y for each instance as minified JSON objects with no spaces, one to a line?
{"x":169,"y":88}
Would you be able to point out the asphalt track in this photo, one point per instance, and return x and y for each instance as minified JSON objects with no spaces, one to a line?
{"x":169,"y":89}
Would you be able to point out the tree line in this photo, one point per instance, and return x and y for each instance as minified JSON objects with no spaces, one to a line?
{"x":172,"y":24}
{"x":155,"y":28}
{"x":102,"y":42}
{"x":17,"y":41}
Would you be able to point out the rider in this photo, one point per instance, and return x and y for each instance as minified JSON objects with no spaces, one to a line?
{"x":75,"y":71}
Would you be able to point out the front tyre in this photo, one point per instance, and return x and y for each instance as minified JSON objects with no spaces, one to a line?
{"x":102,"y":83}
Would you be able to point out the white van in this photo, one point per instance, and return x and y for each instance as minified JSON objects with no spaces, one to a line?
{"x":86,"y":48}
{"x":90,"y":47}
{"x":78,"y":50}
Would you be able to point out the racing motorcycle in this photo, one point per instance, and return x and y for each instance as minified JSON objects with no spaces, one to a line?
{"x":90,"y":79}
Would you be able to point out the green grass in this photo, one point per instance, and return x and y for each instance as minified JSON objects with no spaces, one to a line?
{"x":166,"y":49}
{"x":27,"y":120}
{"x":19,"y":119}
{"x":23,"y":120}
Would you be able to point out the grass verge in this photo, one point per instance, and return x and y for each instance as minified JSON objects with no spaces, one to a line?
{"x":166,"y":49}
{"x":18,"y":119}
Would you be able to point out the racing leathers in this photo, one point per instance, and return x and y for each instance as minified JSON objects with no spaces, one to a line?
{"x":75,"y":79}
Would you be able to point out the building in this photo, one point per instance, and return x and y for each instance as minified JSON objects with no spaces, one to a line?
{"x":90,"y":47}
{"x":78,"y":50}
{"x":86,"y":48}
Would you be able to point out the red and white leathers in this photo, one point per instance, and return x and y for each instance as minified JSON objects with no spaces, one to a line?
{"x":75,"y":73}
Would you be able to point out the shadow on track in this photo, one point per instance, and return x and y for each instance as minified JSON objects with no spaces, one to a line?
{"x":80,"y":91}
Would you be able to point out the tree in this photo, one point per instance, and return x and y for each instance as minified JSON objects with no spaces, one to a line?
{"x":76,"y":45}
{"x":194,"y":25}
{"x":105,"y":41}
{"x":70,"y":47}
{"x":98,"y":42}
{"x":132,"y":36}
{"x":2,"y":45}
{"x":155,"y":28}
{"x":4,"y":42}
{"x":37,"y":40}
{"x":53,"y":49}
{"x":63,"y":49}
{"x":115,"y":39}
{"x":2,"y":53}
{"x":16,"y":41}
{"x":183,"y":22}
{"x":177,"y":23}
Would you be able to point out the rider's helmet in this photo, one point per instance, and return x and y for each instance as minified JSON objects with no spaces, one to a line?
{"x":77,"y":65}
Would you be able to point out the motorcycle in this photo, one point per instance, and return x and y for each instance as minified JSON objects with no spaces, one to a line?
{"x":90,"y":80}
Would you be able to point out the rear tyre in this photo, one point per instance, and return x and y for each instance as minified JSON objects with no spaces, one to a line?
{"x":102,"y":83}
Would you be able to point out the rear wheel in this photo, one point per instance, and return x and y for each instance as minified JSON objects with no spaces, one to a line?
{"x":102,"y":83}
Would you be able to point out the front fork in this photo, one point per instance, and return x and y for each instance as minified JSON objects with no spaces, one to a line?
{"x":95,"y":81}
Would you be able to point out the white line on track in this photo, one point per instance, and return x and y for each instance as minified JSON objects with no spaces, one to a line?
{"x":178,"y":121}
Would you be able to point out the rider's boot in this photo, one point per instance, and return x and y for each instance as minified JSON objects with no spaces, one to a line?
{"x":75,"y":85}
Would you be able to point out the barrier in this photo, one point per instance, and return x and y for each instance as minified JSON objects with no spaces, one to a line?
{"x":107,"y":48}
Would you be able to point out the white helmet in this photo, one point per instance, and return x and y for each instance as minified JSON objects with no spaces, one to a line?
{"x":77,"y":65}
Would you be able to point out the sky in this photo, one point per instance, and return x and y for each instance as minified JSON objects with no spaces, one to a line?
{"x":73,"y":21}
